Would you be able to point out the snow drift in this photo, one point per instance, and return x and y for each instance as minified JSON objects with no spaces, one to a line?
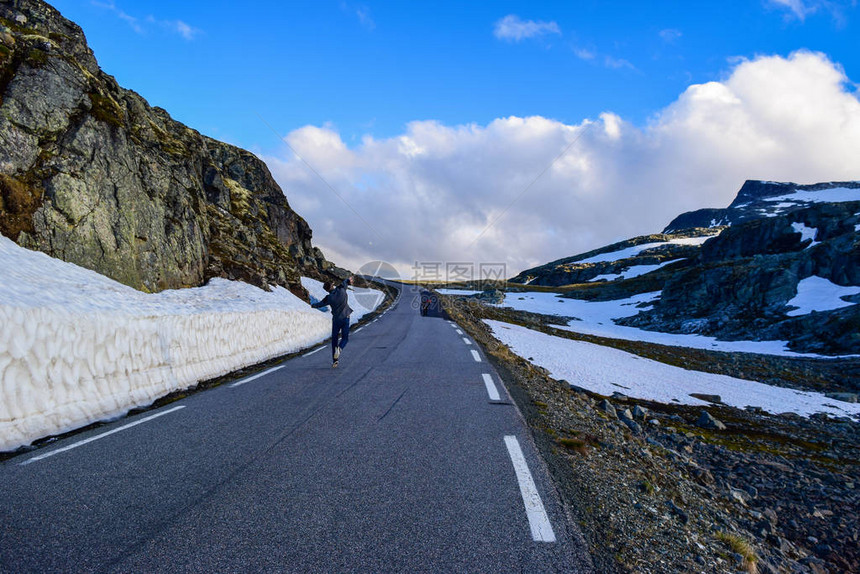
{"x":605,"y":370}
{"x":77,"y":347}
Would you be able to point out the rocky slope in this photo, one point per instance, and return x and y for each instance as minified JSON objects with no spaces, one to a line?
{"x":757,"y":199}
{"x":92,"y":174}
{"x":738,"y":280}
{"x":621,"y":260}
{"x":745,"y":279}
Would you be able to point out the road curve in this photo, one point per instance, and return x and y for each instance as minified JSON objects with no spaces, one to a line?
{"x":401,"y":460}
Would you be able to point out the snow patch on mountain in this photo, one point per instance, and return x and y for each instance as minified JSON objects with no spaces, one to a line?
{"x":605,"y":370}
{"x":637,"y":249}
{"x":819,"y":294}
{"x":633,"y":271}
{"x":598,"y":318}
{"x":806,"y":233}
{"x":831,"y":195}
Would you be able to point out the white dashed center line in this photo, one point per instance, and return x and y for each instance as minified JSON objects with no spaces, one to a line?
{"x":491,"y":387}
{"x":535,"y":511}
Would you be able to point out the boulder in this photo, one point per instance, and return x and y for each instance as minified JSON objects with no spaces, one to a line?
{"x":634,"y":427}
{"x":844,"y":397}
{"x":607,"y":408}
{"x":491,"y":296}
{"x":706,"y":421}
{"x":707,"y":398}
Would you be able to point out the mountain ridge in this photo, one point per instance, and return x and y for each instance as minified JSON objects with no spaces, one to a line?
{"x":741,"y":276}
{"x":94,"y":175}
{"x":754,"y":200}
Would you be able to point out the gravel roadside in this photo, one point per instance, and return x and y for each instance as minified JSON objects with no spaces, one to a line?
{"x":661,"y":488}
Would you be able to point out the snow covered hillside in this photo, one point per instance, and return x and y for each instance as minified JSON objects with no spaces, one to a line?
{"x":77,"y":347}
{"x":635,"y":250}
{"x":598,"y":317}
{"x":780,"y":264}
{"x":605,"y":370}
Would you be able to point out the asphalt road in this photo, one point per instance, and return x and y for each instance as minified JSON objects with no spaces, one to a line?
{"x":397,"y":461}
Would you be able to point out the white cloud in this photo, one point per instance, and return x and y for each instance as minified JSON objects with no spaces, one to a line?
{"x":128,"y":19}
{"x":182,"y":29}
{"x":362,"y":13}
{"x":670,"y":35}
{"x":584,"y":53}
{"x":430,"y":192}
{"x":617,"y":63}
{"x":365,"y":18}
{"x":138,"y":25}
{"x":800,"y":9}
{"x":595,"y":57}
{"x":512,"y":29}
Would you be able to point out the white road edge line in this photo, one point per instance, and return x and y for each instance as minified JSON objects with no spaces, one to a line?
{"x":467,"y":341}
{"x":314,"y":351}
{"x":476,"y":356}
{"x":491,"y":387}
{"x":459,"y":332}
{"x":97,"y":437}
{"x":535,"y":511}
{"x":263,"y":374}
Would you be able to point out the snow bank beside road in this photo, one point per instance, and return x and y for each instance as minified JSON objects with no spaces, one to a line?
{"x":605,"y":370}
{"x":77,"y":347}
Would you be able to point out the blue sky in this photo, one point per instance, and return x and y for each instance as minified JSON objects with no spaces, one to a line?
{"x":371,"y":67}
{"x":408,"y":107}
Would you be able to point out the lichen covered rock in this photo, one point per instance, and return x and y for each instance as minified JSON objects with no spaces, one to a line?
{"x":92,"y":174}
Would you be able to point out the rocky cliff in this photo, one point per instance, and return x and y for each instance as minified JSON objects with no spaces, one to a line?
{"x":92,"y":174}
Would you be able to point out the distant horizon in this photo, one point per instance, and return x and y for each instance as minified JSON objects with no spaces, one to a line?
{"x":498,"y":133}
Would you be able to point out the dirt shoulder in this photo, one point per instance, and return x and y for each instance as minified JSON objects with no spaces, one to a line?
{"x":653,"y":491}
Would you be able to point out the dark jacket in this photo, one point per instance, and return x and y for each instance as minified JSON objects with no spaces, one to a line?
{"x":339,"y":301}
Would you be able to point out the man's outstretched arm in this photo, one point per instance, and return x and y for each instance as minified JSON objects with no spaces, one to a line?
{"x":322,"y":303}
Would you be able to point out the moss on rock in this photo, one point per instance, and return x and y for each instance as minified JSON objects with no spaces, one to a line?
{"x":18,"y":202}
{"x":106,"y":110}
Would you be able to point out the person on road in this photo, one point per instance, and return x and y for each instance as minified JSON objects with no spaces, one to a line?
{"x":338,"y":300}
{"x":426,"y":300}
